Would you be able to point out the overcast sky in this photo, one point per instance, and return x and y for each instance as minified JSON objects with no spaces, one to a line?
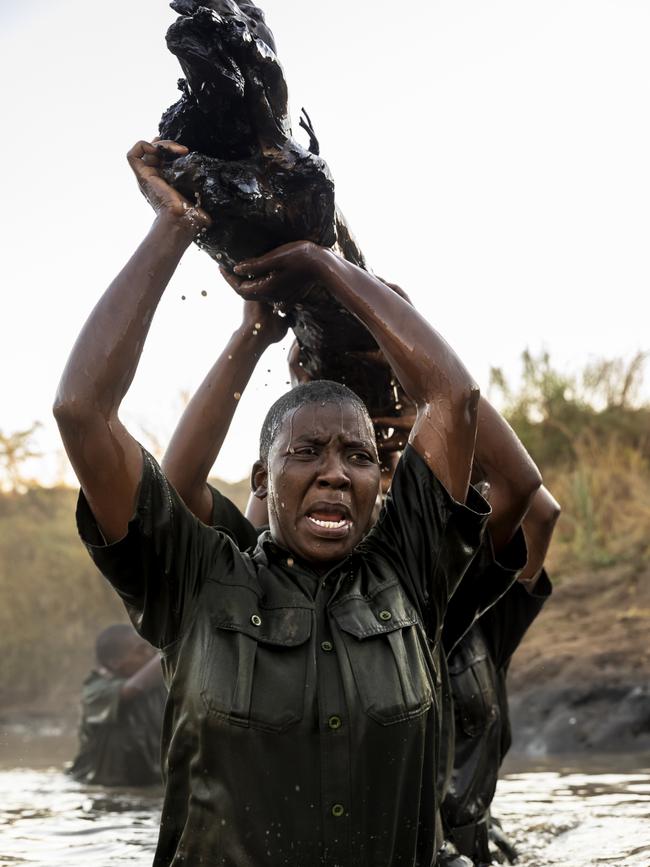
{"x":492,"y":157}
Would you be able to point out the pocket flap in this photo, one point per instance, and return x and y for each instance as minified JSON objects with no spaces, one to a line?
{"x":285,"y":627}
{"x":386,"y":611}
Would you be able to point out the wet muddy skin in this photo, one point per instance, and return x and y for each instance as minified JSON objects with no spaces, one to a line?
{"x":260,"y":185}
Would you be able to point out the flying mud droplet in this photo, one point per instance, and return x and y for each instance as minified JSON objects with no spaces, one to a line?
{"x":203,"y":292}
{"x":182,"y":297}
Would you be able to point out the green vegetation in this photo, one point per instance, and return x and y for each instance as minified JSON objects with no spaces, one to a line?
{"x":589,"y":434}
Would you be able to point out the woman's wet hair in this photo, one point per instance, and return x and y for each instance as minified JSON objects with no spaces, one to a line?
{"x":318,"y":391}
{"x":113,"y":643}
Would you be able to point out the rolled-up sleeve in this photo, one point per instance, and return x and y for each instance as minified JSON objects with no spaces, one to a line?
{"x":506,"y":623}
{"x":160,"y":564}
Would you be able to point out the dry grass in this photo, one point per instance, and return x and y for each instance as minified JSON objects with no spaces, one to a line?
{"x":605,"y":498}
{"x":54,"y":602}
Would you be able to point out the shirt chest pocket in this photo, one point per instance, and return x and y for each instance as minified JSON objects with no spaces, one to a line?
{"x":387,"y":653}
{"x":254,"y":670}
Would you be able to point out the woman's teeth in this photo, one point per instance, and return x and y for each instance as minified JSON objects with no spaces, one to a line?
{"x":329,"y":525}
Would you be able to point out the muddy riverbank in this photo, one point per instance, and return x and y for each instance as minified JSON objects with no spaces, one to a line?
{"x":580,"y":683}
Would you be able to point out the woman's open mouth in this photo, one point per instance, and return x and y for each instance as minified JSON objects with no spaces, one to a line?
{"x":329,"y":522}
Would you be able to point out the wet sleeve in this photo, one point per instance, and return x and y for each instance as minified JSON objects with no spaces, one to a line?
{"x":488,"y":577}
{"x":428,"y":537}
{"x":159,"y":566}
{"x":506,"y":623}
{"x":227,"y":518}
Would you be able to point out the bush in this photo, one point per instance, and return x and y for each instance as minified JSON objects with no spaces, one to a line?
{"x":589,"y":435}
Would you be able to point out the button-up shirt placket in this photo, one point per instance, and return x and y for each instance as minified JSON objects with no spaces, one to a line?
{"x":334,"y":739}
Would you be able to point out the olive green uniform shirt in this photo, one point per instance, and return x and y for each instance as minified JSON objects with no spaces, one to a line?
{"x":302,"y":724}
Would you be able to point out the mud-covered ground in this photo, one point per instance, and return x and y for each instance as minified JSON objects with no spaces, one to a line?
{"x":581,"y":679}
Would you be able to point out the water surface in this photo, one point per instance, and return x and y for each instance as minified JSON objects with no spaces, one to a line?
{"x":556,"y":814}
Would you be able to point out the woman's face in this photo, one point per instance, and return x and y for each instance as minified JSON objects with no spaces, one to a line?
{"x":322,"y":481}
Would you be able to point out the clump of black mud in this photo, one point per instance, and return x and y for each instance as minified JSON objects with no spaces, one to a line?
{"x":259,"y":184}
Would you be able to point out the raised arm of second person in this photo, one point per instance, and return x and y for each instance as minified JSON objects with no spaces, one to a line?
{"x":429,"y":370}
{"x":199,"y":435}
{"x":105,"y":457}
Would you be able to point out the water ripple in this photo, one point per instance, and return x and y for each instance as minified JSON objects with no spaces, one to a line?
{"x":554,"y":817}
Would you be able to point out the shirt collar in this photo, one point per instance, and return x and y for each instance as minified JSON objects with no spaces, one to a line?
{"x":269,"y":552}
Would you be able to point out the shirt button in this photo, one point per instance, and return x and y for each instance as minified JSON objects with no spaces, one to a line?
{"x":385,"y":615}
{"x":334,"y":722}
{"x":327,"y":646}
{"x":338,"y":810}
{"x":256,"y":620}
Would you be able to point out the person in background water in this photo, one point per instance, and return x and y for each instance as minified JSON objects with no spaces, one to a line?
{"x":122,"y":706}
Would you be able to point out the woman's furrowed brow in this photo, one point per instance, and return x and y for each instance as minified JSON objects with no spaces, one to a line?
{"x":311,"y":438}
{"x":355,"y":443}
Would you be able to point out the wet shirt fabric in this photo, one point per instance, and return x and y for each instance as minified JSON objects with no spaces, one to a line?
{"x":119,"y":741}
{"x":486,"y":580}
{"x":228,"y":519}
{"x":477,"y":669}
{"x":302,"y":726}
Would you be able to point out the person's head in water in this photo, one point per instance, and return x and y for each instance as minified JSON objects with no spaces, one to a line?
{"x":120,"y":649}
{"x":319,"y":471}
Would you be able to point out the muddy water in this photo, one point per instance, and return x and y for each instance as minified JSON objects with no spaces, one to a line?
{"x":557,"y":815}
{"x":564,"y":815}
